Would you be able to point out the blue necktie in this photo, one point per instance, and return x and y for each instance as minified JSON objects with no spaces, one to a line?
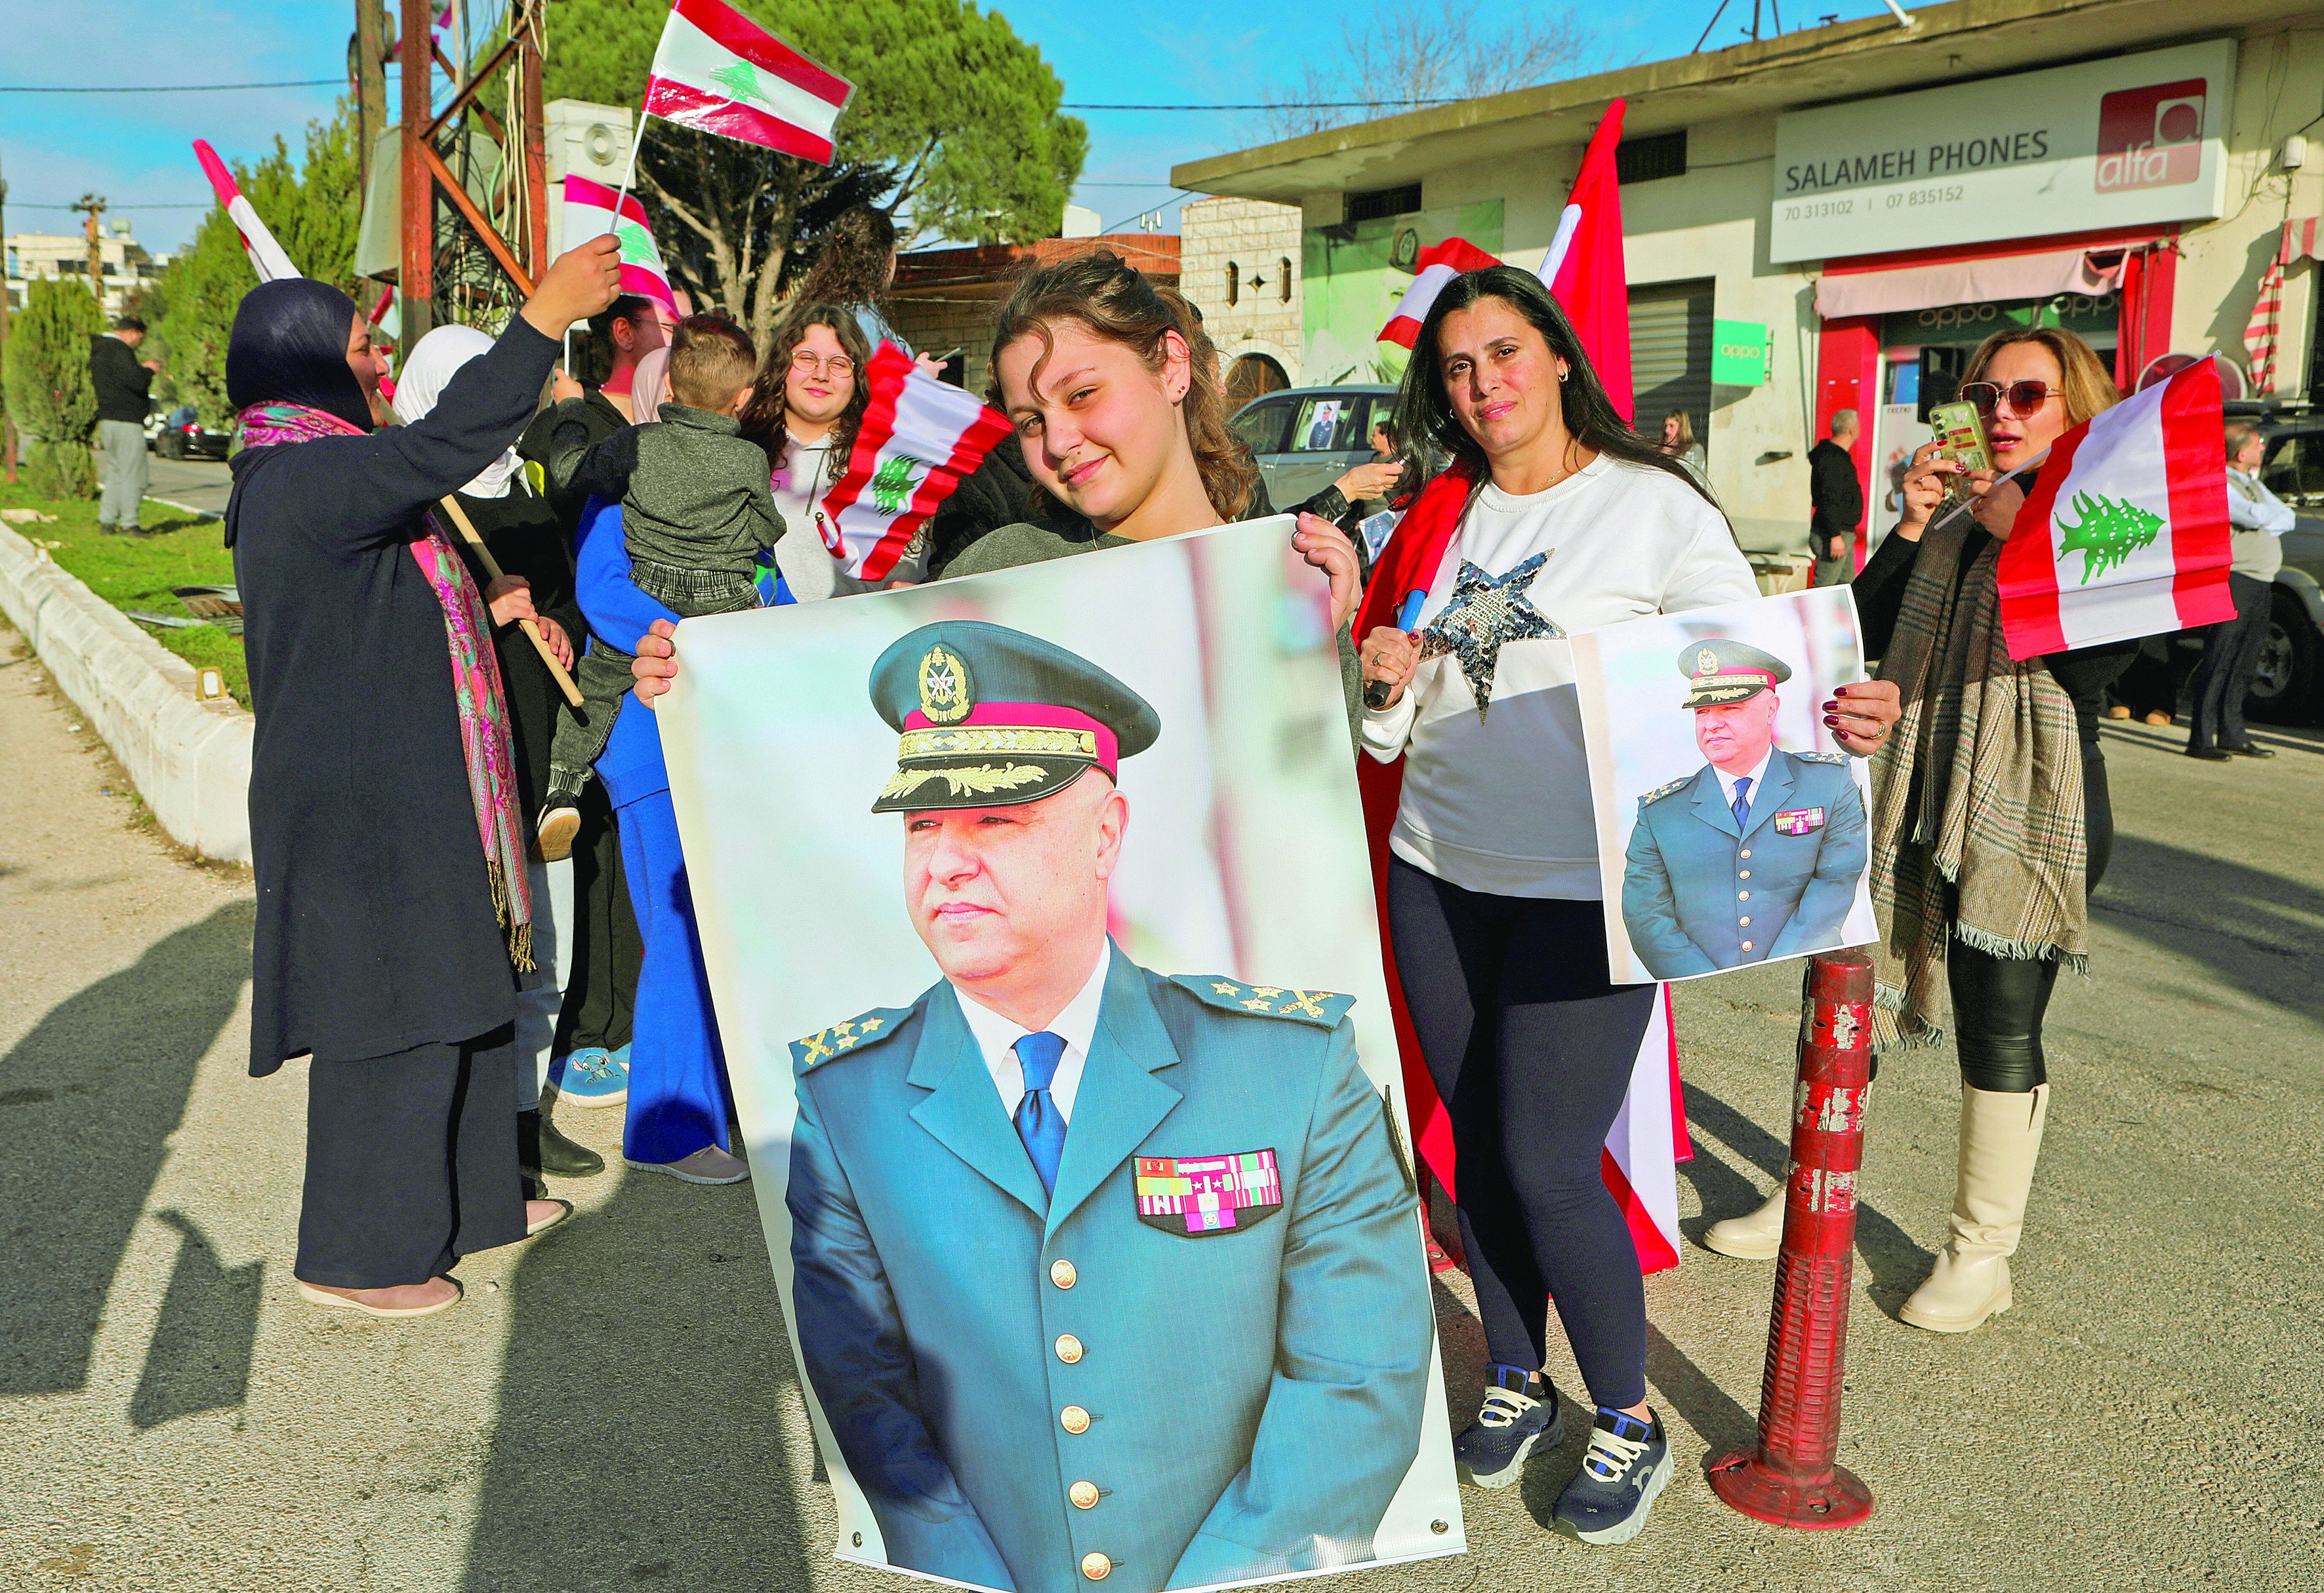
{"x":1742,"y":807}
{"x":1038,"y":1122}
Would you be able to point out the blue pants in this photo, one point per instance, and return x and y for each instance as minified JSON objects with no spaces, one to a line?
{"x":678,"y":1095}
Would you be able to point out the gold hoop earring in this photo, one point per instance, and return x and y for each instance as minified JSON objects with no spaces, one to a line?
{"x":1565,"y":374}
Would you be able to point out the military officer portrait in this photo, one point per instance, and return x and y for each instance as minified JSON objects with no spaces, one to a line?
{"x":1099,"y":1273}
{"x":1758,"y":854}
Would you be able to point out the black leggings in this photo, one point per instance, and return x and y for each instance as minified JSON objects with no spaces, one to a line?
{"x":1531,"y":1050}
{"x":1998,"y":1002}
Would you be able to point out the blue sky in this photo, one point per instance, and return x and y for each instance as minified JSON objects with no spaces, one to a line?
{"x":134,"y":149}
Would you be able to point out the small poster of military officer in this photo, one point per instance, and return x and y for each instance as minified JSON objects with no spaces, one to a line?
{"x":1751,"y":846}
{"x":1099,"y":1267}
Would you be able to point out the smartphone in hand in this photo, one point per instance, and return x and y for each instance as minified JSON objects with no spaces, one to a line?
{"x":1961,"y":438}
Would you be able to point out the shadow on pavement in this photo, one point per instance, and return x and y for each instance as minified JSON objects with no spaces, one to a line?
{"x":640,"y":1438}
{"x":2259,"y":931}
{"x":87,"y":1102}
{"x":200,"y":1359}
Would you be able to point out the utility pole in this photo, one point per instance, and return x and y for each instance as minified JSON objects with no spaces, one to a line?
{"x":370,"y":78}
{"x":95,"y":205}
{"x":416,"y":279}
{"x":7,"y":423}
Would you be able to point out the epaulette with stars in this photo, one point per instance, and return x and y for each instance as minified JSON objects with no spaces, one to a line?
{"x":1821,"y":757}
{"x":840,"y":1038}
{"x":1659,"y":792}
{"x":1321,"y":1007}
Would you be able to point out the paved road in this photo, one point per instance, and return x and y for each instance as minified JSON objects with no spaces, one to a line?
{"x":615,"y":1407}
{"x":200,"y":484}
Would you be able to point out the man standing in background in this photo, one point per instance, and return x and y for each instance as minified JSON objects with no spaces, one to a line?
{"x":123,"y":382}
{"x":1836,"y":502}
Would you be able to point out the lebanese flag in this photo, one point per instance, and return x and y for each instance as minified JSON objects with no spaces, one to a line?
{"x":919,"y":438}
{"x":1649,"y":1135}
{"x":1583,"y":269}
{"x":589,"y":214}
{"x":1439,"y":263}
{"x":267,"y":256}
{"x":2124,"y":533}
{"x":717,"y":70}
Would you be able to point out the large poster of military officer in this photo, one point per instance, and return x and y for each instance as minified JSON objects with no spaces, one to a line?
{"x":1731,"y":825}
{"x":1076,"y":1128}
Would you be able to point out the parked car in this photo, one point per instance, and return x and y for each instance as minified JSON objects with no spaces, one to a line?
{"x":1304,"y":438}
{"x":2289,"y":683}
{"x":183,"y":436}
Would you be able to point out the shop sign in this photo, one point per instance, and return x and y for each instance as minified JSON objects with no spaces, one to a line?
{"x":1741,"y":354}
{"x":2125,"y":141}
{"x":2087,"y":315}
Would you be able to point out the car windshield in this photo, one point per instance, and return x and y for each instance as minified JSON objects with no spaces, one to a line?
{"x":1261,"y":426}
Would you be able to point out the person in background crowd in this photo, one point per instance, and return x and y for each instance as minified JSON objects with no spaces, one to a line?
{"x":1678,"y":441}
{"x":2231,"y":648}
{"x":522,"y":534}
{"x":810,"y":397}
{"x":393,"y":908}
{"x":633,"y":328}
{"x":123,"y":382}
{"x":1991,"y":822}
{"x":854,"y":271}
{"x":1492,"y":883}
{"x":1835,"y":502}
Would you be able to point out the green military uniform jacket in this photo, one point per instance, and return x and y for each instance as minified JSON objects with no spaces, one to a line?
{"x":1033,"y":1390}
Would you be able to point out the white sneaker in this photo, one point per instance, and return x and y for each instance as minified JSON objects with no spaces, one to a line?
{"x":707,"y":1166}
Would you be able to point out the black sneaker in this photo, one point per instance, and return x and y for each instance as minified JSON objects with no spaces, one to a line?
{"x":541,"y":1148}
{"x":1625,"y":1468}
{"x":1520,"y":1413}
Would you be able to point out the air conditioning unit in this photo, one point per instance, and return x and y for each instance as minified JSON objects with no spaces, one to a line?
{"x":585,"y":140}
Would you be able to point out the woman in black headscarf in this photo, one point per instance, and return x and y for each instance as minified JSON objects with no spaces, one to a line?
{"x":392,"y":904}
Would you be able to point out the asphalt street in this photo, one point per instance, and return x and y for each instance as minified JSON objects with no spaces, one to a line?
{"x":201,"y":485}
{"x":614,"y":1406}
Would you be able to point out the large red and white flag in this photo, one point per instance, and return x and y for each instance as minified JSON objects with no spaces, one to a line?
{"x":1639,"y":1164}
{"x":717,"y":70}
{"x":1438,"y":265}
{"x":919,"y":439}
{"x":1583,"y":269}
{"x":2124,"y":533}
{"x":267,"y":257}
{"x":589,"y":213}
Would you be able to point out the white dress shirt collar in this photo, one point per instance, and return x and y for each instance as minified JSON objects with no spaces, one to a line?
{"x":1757,"y":776}
{"x":1076,"y":1025}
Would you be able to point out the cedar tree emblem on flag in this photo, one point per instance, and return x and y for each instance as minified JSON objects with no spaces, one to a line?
{"x":891,"y":487}
{"x":2109,"y":532}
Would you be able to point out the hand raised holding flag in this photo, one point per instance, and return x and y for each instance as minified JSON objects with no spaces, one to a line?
{"x":577,"y":284}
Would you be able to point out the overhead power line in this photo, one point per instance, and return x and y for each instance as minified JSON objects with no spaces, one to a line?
{"x":164,"y":87}
{"x":1304,"y":104}
{"x":119,"y":205}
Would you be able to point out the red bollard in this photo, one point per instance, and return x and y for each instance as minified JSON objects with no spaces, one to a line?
{"x":1790,"y":1479}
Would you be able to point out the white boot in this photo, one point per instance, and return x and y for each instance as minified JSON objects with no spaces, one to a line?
{"x":2000,"y":1140}
{"x":1755,"y":1237}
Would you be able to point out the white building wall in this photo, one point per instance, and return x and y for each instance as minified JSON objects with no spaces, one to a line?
{"x":1258,"y":239}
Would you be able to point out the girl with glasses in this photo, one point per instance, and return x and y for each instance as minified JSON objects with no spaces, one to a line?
{"x":810,"y":398}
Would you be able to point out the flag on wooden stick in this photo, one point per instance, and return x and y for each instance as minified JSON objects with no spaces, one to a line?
{"x":589,"y":213}
{"x":267,"y":257}
{"x":2124,"y":533}
{"x":920,"y":437}
{"x":717,"y":70}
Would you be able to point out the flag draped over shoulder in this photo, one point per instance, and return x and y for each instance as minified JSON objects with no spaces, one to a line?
{"x":1584,"y":270}
{"x":718,"y":71}
{"x":267,"y":257}
{"x":2124,"y":533}
{"x":589,"y":213}
{"x":919,"y":439}
{"x":1649,"y":1135}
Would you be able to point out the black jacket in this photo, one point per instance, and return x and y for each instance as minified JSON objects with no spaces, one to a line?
{"x":122,"y":384}
{"x":1835,"y":495}
{"x":375,"y":927}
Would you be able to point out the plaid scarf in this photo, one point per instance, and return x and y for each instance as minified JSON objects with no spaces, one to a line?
{"x":1978,"y":789}
{"x":484,"y":742}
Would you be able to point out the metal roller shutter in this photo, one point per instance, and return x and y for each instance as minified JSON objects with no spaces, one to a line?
{"x":1670,"y":355}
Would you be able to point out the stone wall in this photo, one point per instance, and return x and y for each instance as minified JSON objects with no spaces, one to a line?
{"x":1254,"y":246}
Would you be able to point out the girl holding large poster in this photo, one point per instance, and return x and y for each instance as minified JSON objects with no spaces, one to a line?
{"x":1557,"y":517}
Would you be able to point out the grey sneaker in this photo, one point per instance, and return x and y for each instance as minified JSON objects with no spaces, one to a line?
{"x":1623,"y":1472}
{"x":707,"y":1166}
{"x":1520,"y":1413}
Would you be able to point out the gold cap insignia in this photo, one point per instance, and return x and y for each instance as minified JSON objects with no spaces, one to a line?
{"x":947,"y":694}
{"x":1706,"y":662}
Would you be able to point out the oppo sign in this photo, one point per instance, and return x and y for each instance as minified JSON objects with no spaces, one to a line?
{"x":2120,"y":143}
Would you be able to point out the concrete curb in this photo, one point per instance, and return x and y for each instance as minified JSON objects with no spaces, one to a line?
{"x":190,"y":760}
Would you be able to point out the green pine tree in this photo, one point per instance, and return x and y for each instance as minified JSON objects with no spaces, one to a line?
{"x":49,"y":395}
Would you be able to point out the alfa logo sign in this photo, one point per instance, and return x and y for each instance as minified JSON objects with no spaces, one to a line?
{"x":2151,"y":137}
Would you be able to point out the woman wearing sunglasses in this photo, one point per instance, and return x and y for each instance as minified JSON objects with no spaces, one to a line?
{"x":1990,"y":821}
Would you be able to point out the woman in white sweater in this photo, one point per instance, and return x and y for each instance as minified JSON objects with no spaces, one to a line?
{"x":1576,"y":522}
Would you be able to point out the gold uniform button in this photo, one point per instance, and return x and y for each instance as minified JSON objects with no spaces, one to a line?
{"x":1062,"y":1274}
{"x":1096,"y":1567}
{"x":1745,"y":874}
{"x":1073,"y":1418}
{"x":1742,"y":895}
{"x":1746,"y":923}
{"x":1069,"y":1349}
{"x":1746,"y":945}
{"x":1746,"y":851}
{"x":1083,"y":1495}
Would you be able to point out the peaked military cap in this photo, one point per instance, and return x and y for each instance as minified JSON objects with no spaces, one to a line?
{"x":1720,"y":671}
{"x":990,"y":717}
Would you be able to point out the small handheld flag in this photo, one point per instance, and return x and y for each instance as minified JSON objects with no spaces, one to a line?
{"x":718,"y":71}
{"x":267,"y":256}
{"x":2124,"y":533}
{"x":919,"y":439}
{"x":589,"y":212}
{"x":1438,"y":265}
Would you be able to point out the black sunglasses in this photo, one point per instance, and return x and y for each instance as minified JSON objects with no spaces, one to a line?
{"x":2025,"y":397}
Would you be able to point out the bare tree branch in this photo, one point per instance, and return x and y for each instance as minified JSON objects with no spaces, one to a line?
{"x":1401,"y":54}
